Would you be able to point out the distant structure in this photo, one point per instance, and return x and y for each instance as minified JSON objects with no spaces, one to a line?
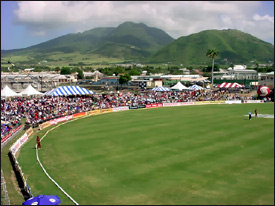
{"x":42,"y":81}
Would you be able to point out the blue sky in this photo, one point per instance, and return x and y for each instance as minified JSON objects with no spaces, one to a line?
{"x":28,"y":23}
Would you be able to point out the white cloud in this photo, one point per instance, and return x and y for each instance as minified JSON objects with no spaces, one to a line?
{"x":257,"y":17}
{"x":177,"y":18}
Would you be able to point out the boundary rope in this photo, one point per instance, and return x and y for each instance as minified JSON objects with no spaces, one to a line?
{"x":44,"y":170}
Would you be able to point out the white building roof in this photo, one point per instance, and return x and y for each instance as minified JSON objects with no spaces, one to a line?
{"x":239,"y":67}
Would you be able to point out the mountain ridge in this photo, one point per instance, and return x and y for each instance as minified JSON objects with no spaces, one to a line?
{"x":137,"y":41}
{"x":233,"y":45}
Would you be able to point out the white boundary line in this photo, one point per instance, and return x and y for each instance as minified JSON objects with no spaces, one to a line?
{"x":37,"y":157}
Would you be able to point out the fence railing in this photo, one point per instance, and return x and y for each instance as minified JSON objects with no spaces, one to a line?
{"x":6,"y":200}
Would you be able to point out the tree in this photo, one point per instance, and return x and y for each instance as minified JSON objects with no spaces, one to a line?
{"x":212,"y":53}
{"x":57,"y":69}
{"x":134,"y":72}
{"x":209,"y":68}
{"x":119,"y":70}
{"x":65,"y":70}
{"x":123,"y":79}
{"x":80,"y":74}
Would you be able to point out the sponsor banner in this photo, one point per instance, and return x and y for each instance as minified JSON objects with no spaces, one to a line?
{"x":11,"y":133}
{"x":253,"y":101}
{"x":94,"y":112}
{"x":154,"y":105}
{"x":199,"y":102}
{"x":177,"y":104}
{"x":171,"y":104}
{"x":29,"y":131}
{"x":186,"y":103}
{"x":106,"y":110}
{"x":81,"y":114}
{"x":14,"y":148}
{"x":44,"y":125}
{"x":116,"y":109}
{"x":23,"y":139}
{"x":61,"y":119}
{"x":209,"y":102}
{"x":133,"y":107}
{"x":137,"y":107}
{"x":218,"y":102}
{"x":233,"y":102}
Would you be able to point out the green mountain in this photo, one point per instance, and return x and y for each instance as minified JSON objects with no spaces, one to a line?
{"x":234,"y":47}
{"x":136,"y":41}
{"x":128,"y":40}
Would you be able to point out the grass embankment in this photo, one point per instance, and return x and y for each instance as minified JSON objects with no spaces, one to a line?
{"x":207,"y":154}
{"x":14,"y":193}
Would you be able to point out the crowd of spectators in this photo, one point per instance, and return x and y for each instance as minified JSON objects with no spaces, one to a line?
{"x":40,"y":109}
{"x":7,"y":127}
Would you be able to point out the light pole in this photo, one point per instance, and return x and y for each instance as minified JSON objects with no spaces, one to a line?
{"x":41,"y":82}
{"x":212,"y":71}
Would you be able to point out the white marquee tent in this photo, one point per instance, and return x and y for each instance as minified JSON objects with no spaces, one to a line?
{"x":179,"y":86}
{"x":30,"y":91}
{"x":8,"y":92}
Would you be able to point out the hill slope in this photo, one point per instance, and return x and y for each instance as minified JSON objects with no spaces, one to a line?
{"x":233,"y":45}
{"x":136,"y":41}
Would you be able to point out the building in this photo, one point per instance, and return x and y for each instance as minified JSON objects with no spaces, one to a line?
{"x":267,"y":79}
{"x":185,"y":71}
{"x":96,"y":75}
{"x":41,"y":81}
{"x":238,"y":72}
{"x":238,"y":67}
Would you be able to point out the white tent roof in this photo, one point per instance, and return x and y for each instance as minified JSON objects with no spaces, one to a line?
{"x":8,"y":92}
{"x":179,"y":86}
{"x":30,"y":91}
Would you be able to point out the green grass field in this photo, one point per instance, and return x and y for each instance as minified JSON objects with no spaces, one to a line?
{"x":191,"y":155}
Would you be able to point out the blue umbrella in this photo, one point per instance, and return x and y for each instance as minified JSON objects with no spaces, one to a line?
{"x":43,"y":200}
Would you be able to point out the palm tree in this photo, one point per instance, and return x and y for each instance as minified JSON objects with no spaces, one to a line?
{"x":212,"y":53}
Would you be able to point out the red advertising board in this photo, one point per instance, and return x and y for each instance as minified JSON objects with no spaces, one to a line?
{"x":79,"y":114}
{"x":154,"y":105}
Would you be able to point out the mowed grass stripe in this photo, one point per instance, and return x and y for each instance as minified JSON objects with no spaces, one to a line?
{"x":176,"y":155}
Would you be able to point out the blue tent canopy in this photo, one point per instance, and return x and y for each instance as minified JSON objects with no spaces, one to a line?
{"x":68,"y":90}
{"x":161,"y":89}
{"x":196,"y":87}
